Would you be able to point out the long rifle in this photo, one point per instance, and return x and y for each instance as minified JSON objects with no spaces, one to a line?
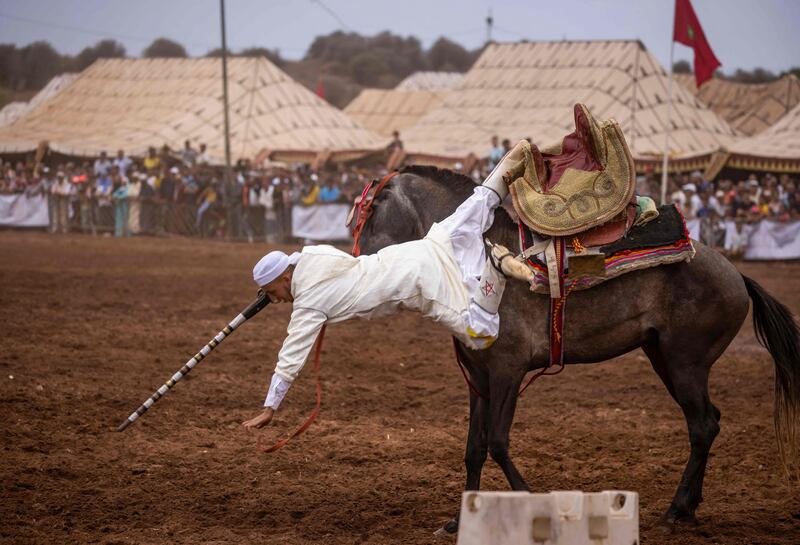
{"x":252,"y":309}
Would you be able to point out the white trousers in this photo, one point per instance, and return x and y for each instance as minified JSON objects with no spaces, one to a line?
{"x":466,"y":227}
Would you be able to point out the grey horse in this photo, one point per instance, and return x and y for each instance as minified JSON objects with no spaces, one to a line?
{"x":683,"y":317}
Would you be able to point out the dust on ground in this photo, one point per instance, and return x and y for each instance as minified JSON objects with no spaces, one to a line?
{"x":93,"y":326}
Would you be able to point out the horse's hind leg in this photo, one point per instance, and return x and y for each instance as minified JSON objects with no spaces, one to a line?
{"x":687,"y":380}
{"x":476,"y":452}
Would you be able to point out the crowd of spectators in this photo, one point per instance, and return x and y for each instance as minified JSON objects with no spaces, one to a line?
{"x":726,"y":205}
{"x":179,"y":193}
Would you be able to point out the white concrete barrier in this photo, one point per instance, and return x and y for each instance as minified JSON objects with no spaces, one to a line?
{"x":558,"y":518}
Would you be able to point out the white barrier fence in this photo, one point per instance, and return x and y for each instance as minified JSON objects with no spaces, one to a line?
{"x":23,"y":211}
{"x":761,"y":241}
{"x":320,"y":222}
{"x":764,"y":240}
{"x":558,"y":518}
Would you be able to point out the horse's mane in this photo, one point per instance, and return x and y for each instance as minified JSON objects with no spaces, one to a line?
{"x":450,"y":178}
{"x":442,"y":176}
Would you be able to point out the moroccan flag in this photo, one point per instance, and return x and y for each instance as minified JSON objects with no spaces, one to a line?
{"x":320,"y":88}
{"x":689,"y":32}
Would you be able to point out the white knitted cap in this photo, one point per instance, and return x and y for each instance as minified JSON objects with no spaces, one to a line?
{"x":272,"y":265}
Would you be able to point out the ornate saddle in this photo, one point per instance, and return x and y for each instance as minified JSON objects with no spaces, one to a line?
{"x":577,"y":200}
{"x":584,"y":183}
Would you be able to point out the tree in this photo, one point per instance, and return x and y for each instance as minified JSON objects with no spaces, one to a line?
{"x":336,"y":47}
{"x":367,"y":67}
{"x":682,"y":67}
{"x":9,"y":64}
{"x":162,"y":47}
{"x":39,"y":63}
{"x":104,"y":49}
{"x":757,"y":75}
{"x":273,"y":55}
{"x":448,"y":56}
{"x":795,"y":70}
{"x":217,"y":52}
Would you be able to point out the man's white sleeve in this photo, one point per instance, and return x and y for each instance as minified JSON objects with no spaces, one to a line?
{"x":277,"y":390}
{"x":303,"y":329}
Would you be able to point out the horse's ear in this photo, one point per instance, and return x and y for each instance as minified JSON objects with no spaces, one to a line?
{"x":352,"y":213}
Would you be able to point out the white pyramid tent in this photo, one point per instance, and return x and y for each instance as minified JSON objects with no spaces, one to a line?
{"x":131,"y":104}
{"x":520,"y":90}
{"x":750,"y":108}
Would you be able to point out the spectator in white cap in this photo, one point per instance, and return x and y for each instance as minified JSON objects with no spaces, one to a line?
{"x":445,"y":276}
{"x":692,"y":201}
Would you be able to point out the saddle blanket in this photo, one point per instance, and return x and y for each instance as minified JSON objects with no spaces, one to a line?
{"x":661,"y":241}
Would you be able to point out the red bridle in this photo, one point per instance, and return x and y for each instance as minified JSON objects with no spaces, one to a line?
{"x":363,"y":209}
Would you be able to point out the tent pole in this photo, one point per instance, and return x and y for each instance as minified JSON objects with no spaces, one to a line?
{"x":227,"y":176}
{"x":665,"y":162}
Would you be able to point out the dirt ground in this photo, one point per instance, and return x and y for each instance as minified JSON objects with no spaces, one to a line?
{"x":93,"y":326}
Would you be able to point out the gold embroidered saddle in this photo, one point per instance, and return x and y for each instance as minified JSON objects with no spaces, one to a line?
{"x":584,"y":183}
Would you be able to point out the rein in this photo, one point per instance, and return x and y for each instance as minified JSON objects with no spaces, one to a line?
{"x":313,"y":416}
{"x":365,"y":210}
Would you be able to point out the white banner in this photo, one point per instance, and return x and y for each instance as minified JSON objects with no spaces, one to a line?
{"x":320,"y":222}
{"x":774,"y":240}
{"x":22,"y":211}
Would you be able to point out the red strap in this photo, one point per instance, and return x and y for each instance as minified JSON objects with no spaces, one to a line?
{"x":280,"y":444}
{"x":365,"y":209}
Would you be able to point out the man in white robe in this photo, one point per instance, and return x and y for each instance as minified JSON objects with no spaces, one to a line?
{"x":446,"y":277}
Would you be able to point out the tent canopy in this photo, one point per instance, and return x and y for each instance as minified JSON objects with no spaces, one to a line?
{"x":430,"y":81}
{"x":749,"y":108}
{"x":132,"y":104}
{"x":14,"y":110}
{"x":388,"y":110}
{"x":521,"y":90}
{"x":777,"y":149}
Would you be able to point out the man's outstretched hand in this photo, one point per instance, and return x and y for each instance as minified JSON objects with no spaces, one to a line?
{"x":261,"y":420}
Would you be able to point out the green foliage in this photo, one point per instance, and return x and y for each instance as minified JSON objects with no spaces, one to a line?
{"x":30,"y":67}
{"x":273,"y":55}
{"x":104,"y":49}
{"x":164,"y":48}
{"x":369,"y":59}
{"x":367,"y":67}
{"x":757,"y":75}
{"x":448,"y":56}
{"x":217,"y":52}
{"x":682,"y":67}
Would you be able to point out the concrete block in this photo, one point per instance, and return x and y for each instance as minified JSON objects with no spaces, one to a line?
{"x":558,"y":518}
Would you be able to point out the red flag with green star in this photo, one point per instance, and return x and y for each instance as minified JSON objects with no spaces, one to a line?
{"x":689,"y":32}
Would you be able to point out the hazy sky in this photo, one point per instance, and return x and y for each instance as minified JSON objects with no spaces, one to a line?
{"x":743,"y":33}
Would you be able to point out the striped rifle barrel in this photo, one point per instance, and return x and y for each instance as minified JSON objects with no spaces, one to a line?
{"x":261,"y":301}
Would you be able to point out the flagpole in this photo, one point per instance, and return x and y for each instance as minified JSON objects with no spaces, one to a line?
{"x":665,"y":161}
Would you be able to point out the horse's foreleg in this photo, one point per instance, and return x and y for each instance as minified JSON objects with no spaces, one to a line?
{"x":477,"y":441}
{"x":476,"y":452}
{"x":503,"y":403}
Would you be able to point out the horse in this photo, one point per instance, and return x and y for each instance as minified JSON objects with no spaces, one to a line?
{"x":683,"y":316}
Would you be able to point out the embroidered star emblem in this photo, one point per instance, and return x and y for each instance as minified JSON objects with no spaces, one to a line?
{"x":488,"y":289}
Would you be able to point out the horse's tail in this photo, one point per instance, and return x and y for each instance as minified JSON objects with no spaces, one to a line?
{"x":778,"y":332}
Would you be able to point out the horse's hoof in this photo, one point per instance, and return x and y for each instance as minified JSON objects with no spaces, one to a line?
{"x":666,"y":525}
{"x":450,"y":528}
{"x":669,"y":523}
